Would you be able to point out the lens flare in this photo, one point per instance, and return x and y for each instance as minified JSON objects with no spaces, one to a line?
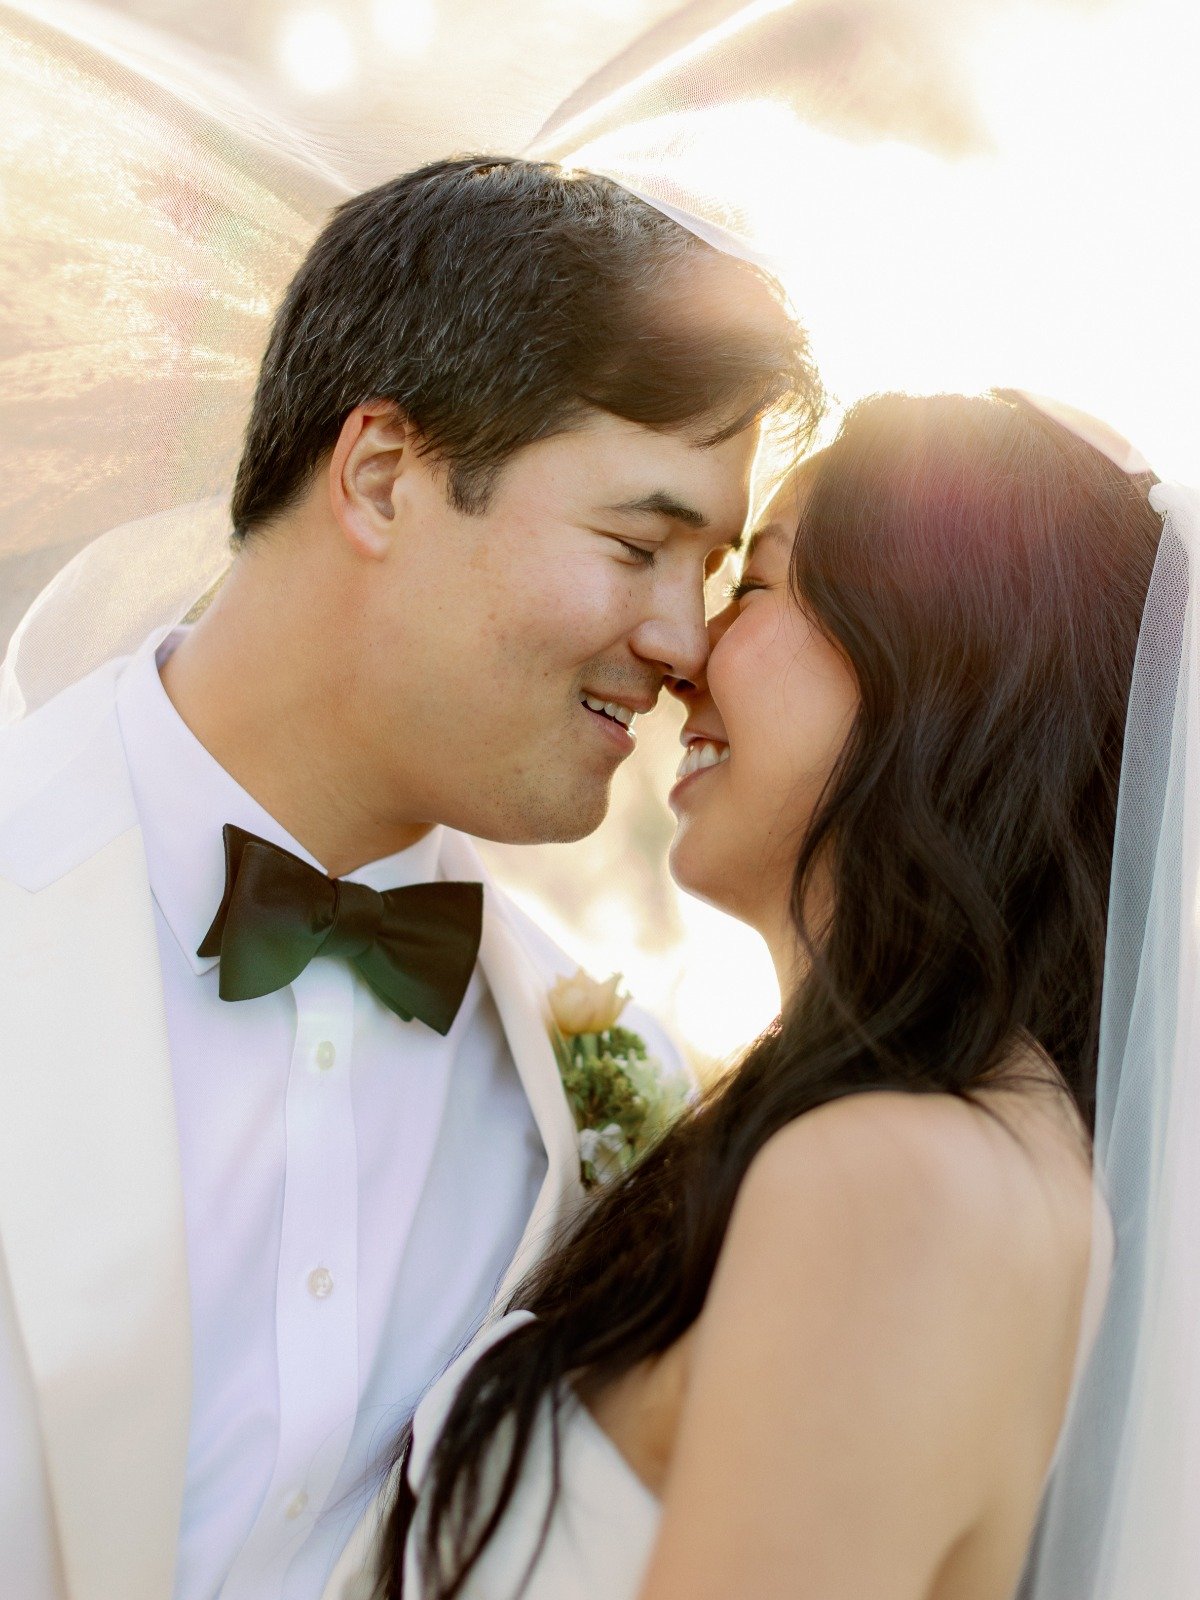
{"x":317,"y":52}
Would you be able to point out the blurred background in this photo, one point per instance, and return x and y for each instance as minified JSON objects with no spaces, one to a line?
{"x":958,"y":193}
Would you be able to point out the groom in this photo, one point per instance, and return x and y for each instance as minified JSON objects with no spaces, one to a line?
{"x":270,"y":1144}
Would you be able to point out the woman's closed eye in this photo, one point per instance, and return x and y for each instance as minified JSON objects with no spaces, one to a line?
{"x":743,"y":586}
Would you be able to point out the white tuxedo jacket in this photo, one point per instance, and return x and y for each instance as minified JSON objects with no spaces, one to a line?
{"x":95,"y":1359}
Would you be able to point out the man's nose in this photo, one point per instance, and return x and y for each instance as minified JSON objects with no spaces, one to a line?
{"x":685,"y":690}
{"x":676,"y":640}
{"x":688,"y":690}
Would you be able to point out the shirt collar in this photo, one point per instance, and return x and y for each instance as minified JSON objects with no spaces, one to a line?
{"x":185,"y":797}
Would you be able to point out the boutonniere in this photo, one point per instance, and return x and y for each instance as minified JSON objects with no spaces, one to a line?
{"x":621,"y":1096}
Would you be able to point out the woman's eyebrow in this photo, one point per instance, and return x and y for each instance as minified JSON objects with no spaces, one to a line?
{"x":770,"y":530}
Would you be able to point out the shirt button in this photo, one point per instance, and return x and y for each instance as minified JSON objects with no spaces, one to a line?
{"x":296,"y":1506}
{"x":320,"y":1283}
{"x":326,"y":1055}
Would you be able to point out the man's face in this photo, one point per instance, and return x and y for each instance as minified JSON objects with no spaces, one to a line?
{"x":486,"y":636}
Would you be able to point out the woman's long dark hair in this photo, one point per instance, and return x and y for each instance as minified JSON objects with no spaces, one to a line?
{"x":983,"y":571}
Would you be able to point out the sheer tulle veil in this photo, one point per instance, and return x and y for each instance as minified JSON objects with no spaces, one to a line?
{"x":165,"y":213}
{"x":1118,"y":1520}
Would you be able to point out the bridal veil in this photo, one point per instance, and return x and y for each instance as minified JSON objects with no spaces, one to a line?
{"x":153,"y":213}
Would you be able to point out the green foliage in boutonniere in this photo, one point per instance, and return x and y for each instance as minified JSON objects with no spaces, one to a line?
{"x":622,"y":1097}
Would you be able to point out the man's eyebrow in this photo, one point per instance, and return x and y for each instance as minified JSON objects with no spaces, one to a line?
{"x":663,"y":504}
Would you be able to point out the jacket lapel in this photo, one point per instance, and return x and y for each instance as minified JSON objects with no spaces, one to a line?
{"x":91,"y":1212}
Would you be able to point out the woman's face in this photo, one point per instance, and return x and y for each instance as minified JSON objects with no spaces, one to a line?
{"x":765,"y":727}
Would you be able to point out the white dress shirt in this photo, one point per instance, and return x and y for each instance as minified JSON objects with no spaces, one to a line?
{"x":354,"y":1188}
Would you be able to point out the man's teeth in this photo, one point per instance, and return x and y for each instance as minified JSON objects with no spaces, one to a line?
{"x":621,"y":714}
{"x":699,"y":754}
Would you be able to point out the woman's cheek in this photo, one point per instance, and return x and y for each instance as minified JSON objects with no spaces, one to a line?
{"x":764,"y":669}
{"x":737,"y":670}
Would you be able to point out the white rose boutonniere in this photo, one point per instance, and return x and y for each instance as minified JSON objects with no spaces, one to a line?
{"x":622,"y":1097}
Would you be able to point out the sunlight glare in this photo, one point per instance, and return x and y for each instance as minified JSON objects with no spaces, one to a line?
{"x":715,"y":990}
{"x":316,"y":52}
{"x":726,"y":992}
{"x":1061,"y":261}
{"x":614,"y":10}
{"x":405,"y":27}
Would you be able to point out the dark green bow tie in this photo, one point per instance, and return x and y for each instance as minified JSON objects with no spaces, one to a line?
{"x":416,"y":946}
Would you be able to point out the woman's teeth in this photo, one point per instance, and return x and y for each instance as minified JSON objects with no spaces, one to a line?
{"x":621,"y":714}
{"x":699,"y":754}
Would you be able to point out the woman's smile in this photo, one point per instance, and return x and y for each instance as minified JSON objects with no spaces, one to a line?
{"x":701,"y":755}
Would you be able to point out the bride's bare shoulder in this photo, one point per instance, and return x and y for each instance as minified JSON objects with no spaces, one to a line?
{"x":894,"y":1307}
{"x":998,"y":1192}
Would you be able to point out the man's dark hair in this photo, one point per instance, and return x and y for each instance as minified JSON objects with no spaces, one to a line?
{"x":495,"y":302}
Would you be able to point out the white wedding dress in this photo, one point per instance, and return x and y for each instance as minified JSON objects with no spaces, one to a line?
{"x":600,"y":1535}
{"x":605,"y":1519}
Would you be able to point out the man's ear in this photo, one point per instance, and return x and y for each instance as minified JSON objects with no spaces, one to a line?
{"x":372,"y":451}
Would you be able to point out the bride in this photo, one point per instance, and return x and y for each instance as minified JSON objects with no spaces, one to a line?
{"x":821,"y":1340}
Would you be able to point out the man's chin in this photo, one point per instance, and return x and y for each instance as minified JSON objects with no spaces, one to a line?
{"x":545,"y":820}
